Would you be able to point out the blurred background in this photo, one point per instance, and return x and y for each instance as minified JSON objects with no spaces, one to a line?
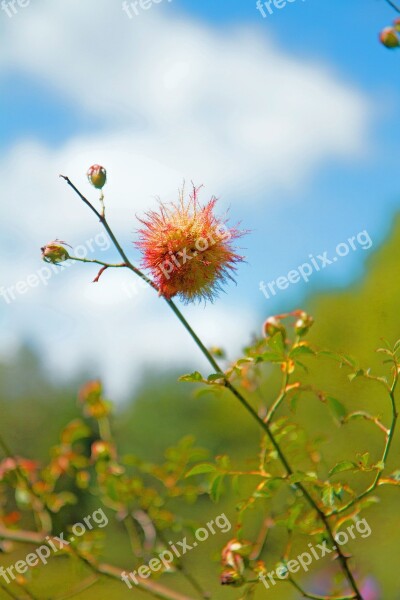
{"x":291,"y":120}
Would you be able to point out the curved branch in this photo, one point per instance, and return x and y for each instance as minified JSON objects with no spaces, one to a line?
{"x":343,"y":559}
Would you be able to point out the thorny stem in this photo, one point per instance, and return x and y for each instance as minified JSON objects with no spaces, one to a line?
{"x":265,"y":426}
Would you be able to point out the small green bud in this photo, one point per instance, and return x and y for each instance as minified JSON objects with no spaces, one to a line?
{"x":54,"y":252}
{"x":396,"y":23}
{"x":97,"y":176}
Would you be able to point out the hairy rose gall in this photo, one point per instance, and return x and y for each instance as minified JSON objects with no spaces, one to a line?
{"x":188,"y":250}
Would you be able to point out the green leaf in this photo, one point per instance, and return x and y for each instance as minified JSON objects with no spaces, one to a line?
{"x":328,"y":496}
{"x":301,"y":350}
{"x":269,"y":357}
{"x":235,"y":485}
{"x":367,"y":502}
{"x":192,"y":377}
{"x":276,"y":344}
{"x":216,"y":488}
{"x":337,"y":408}
{"x":345,"y":465}
{"x":395,"y":475}
{"x":202,"y":468}
{"x":215,"y":377}
{"x":363,"y":459}
{"x":299,"y":476}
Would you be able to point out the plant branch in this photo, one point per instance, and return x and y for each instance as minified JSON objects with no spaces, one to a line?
{"x":282,"y":395}
{"x":393,"y":5}
{"x":42,"y":515}
{"x":32,"y":537}
{"x":316,"y":597}
{"x":246,"y":405}
{"x":389,"y":440}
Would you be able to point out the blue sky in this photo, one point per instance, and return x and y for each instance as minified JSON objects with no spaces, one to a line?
{"x":304,"y":191}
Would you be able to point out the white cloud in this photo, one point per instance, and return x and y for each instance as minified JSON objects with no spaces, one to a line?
{"x":226,"y":107}
{"x":174,"y":99}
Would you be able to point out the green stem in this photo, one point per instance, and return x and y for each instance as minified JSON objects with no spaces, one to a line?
{"x":253,"y":413}
{"x":316,"y":597}
{"x":8,"y":592}
{"x":282,"y":395}
{"x":386,"y":450}
{"x":97,"y":262}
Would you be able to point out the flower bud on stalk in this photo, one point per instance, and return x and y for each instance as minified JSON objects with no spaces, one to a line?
{"x":303,"y":324}
{"x":234,"y":562}
{"x":231,"y":577}
{"x":272,"y":325}
{"x":389,"y":37}
{"x":54,"y":252}
{"x":97,"y":176}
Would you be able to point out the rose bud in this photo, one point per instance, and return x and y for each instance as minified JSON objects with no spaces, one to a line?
{"x":54,"y":252}
{"x":271,"y":326}
{"x":397,"y":24}
{"x":97,"y":176}
{"x":230,"y":577}
{"x":389,"y":37}
{"x":303,"y":324}
{"x":103,"y":450}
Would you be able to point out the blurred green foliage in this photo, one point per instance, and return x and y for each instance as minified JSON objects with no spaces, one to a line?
{"x":34,"y":409}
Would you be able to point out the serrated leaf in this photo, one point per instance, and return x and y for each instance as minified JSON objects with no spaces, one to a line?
{"x":328,"y":496}
{"x":215,"y":377}
{"x":301,"y":350}
{"x":235,"y":485}
{"x":367,"y":502}
{"x":276,"y":344}
{"x":299,"y":476}
{"x":202,"y":468}
{"x":363,"y":459}
{"x":192,"y":377}
{"x":337,"y":408}
{"x":269,"y":357}
{"x":395,"y":475}
{"x":345,"y":465}
{"x":216,"y":488}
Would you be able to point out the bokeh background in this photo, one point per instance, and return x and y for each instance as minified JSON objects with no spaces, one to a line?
{"x":291,"y":120}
